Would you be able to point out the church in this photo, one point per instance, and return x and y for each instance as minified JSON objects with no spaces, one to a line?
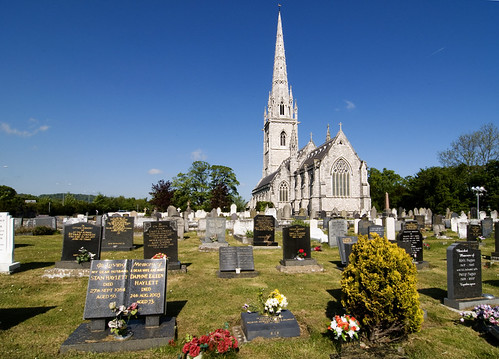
{"x":330,"y":177}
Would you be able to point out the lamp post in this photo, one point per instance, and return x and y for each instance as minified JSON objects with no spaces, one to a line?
{"x":479,"y":192}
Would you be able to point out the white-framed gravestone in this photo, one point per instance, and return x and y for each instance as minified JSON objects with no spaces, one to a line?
{"x":7,"y":263}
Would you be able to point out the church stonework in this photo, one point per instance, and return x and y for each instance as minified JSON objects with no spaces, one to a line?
{"x":314,"y":178}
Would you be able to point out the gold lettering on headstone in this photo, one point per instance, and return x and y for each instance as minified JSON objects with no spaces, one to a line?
{"x":119,"y":224}
{"x":82,"y":233}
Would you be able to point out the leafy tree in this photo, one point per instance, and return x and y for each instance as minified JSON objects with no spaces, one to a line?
{"x":473,"y":149}
{"x":219,"y":197}
{"x":386,"y":181}
{"x":7,"y":199}
{"x":162,"y":195}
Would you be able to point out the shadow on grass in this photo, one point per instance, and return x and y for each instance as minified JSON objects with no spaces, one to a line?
{"x":34,"y":265}
{"x":10,"y":317}
{"x":137,"y":246}
{"x":186,"y":264}
{"x":334,"y":306}
{"x":494,"y":282}
{"x":435,"y":293}
{"x":174,"y":308}
{"x":20,"y":245}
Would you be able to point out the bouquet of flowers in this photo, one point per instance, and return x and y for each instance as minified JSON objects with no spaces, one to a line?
{"x":482,"y":315}
{"x":344,"y":328}
{"x":219,"y":341}
{"x":84,"y":256}
{"x":318,"y":249}
{"x":275,"y":303}
{"x":119,"y":325}
{"x":159,"y":256}
{"x":301,"y":254}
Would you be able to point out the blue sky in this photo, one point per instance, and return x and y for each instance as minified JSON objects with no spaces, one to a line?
{"x":111,"y":96}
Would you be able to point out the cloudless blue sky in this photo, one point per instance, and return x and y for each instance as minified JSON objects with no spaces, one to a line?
{"x":111,"y":96}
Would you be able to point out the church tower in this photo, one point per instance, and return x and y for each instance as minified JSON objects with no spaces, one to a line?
{"x":280,"y":139}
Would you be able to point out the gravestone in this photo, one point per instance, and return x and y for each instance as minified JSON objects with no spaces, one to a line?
{"x":161,"y":237}
{"x":487,"y":227}
{"x":295,"y":238}
{"x":345,"y":247}
{"x":76,"y":236}
{"x":124,"y":281}
{"x":45,"y":221}
{"x":337,"y":228}
{"x":118,"y":234}
{"x":376,"y":229}
{"x":236,"y":262}
{"x":411,"y":233}
{"x":495,"y":255}
{"x":286,"y":211}
{"x":264,"y":231}
{"x":364,"y":226}
{"x":215,"y":230}
{"x":390,"y":228}
{"x":7,"y":263}
{"x":473,"y":231}
{"x":421,"y":220}
{"x":255,"y":325}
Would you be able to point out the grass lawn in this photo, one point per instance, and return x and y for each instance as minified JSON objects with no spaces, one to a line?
{"x":37,"y":314}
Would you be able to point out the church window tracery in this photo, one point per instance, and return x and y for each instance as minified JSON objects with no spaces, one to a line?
{"x":283,"y":192}
{"x":341,"y":179}
{"x":283,"y":138}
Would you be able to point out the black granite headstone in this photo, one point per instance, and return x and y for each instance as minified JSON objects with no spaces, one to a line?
{"x":147,"y":285}
{"x":231,"y":258}
{"x":255,"y":325}
{"x":464,"y":272}
{"x":411,"y":234}
{"x":495,"y":254}
{"x":473,"y":232}
{"x":118,"y":234}
{"x":80,"y":235}
{"x":295,"y":238}
{"x":264,"y":231}
{"x":380,"y":230}
{"x":161,"y":237}
{"x":345,"y":247}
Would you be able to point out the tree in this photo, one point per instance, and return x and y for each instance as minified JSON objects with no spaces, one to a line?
{"x":219,"y":197}
{"x":386,"y":181}
{"x":7,"y":199}
{"x":473,"y":149}
{"x":162,"y":195}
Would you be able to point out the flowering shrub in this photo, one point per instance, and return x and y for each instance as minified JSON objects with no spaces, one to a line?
{"x":219,"y":341}
{"x":275,"y":303}
{"x":483,"y":314}
{"x":345,"y":327}
{"x":119,"y":325}
{"x":159,"y":256}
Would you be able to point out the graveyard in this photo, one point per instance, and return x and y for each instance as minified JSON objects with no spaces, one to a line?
{"x":39,"y":313}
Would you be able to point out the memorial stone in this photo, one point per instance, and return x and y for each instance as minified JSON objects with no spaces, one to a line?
{"x":45,"y":221}
{"x":487,"y":227}
{"x":495,"y":255}
{"x":264,"y":231}
{"x":412,"y":234}
{"x":295,"y":238}
{"x":161,"y":237}
{"x":236,"y":258}
{"x":118,"y":234}
{"x":7,"y":263}
{"x":364,"y":226}
{"x":337,"y":228}
{"x":345,"y":247}
{"x":421,"y":220}
{"x":376,"y":229}
{"x":473,"y":231}
{"x":255,"y":325}
{"x":215,"y":230}
{"x":464,"y":272}
{"x":80,"y":235}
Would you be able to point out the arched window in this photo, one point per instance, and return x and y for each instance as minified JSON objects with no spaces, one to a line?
{"x":341,"y":179}
{"x":281,"y":109}
{"x":283,"y":138}
{"x":283,"y":192}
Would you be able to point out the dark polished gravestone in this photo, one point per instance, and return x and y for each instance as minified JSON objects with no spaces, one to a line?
{"x":294,"y":239}
{"x":487,"y":227}
{"x":345,"y":245}
{"x":380,"y":230}
{"x":473,"y":231}
{"x":236,"y":262}
{"x":118,"y":234}
{"x":264,"y":231}
{"x":76,"y":236}
{"x":255,"y":325}
{"x":411,"y":233}
{"x":161,"y":237}
{"x":124,"y":281}
{"x":495,"y":254}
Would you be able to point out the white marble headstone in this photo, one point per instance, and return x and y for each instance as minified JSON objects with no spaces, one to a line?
{"x":7,"y":264}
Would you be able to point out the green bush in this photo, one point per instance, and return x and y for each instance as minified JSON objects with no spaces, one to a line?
{"x":43,"y":231}
{"x":379,"y":289}
{"x":261,"y":205}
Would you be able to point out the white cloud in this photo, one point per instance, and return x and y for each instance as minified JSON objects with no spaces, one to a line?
{"x":154,"y":171}
{"x":5,"y":127}
{"x":198,"y":155}
{"x":350,"y":105}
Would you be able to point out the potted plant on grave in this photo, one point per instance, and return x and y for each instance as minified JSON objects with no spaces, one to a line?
{"x":301,"y":254}
{"x":119,"y":325}
{"x":220,"y":341}
{"x":84,"y":256}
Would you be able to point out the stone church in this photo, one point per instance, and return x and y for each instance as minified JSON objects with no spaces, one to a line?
{"x":314,"y":178}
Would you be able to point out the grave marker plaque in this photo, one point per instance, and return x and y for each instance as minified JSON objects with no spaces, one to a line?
{"x":118,"y":234}
{"x":7,"y":264}
{"x":295,"y":238}
{"x":411,"y":234}
{"x":161,"y":237}
{"x":264,"y":231}
{"x":255,"y":325}
{"x":236,"y":257}
{"x":464,"y":272}
{"x":80,"y":235}
{"x":473,"y":232}
{"x":147,"y":285}
{"x":376,"y":229}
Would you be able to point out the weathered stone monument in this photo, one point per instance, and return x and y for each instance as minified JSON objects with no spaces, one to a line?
{"x":215,"y":235}
{"x":7,"y":263}
{"x":336,"y":228}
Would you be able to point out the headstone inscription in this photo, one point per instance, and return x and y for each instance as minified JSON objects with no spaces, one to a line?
{"x":411,"y":233}
{"x":264,"y":231}
{"x":345,"y":245}
{"x":7,"y":264}
{"x":126,"y":281}
{"x":380,"y":230}
{"x":487,"y":227}
{"x":215,"y":230}
{"x":255,"y":325}
{"x":294,"y":239}
{"x":337,"y":228}
{"x":233,"y":258}
{"x":118,"y":234}
{"x":80,"y":235}
{"x":473,"y":231}
{"x":161,"y":237}
{"x":464,"y":272}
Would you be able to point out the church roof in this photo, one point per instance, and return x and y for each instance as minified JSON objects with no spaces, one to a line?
{"x":265,"y":181}
{"x":318,"y":154}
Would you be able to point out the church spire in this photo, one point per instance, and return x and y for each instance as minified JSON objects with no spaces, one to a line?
{"x":328,"y":135}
